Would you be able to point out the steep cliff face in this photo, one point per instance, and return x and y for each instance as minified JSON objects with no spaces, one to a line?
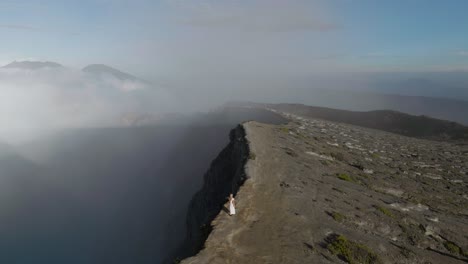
{"x":225,"y":176}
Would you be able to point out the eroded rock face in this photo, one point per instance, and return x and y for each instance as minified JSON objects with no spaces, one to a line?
{"x":325,"y":192}
{"x":225,"y":176}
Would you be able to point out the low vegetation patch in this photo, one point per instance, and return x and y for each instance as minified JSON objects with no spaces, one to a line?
{"x":284,"y":129}
{"x":384,"y":211}
{"x":350,"y":251}
{"x":338,"y":217}
{"x":345,"y":177}
{"x":252,"y":156}
{"x":454,"y":248}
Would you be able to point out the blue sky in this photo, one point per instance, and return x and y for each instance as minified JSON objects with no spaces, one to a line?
{"x":173,"y":36}
{"x":419,"y":33}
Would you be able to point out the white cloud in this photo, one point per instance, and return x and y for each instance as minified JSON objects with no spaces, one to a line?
{"x":463,"y":53}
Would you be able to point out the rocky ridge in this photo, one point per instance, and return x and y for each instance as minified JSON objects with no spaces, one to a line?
{"x":325,"y":192}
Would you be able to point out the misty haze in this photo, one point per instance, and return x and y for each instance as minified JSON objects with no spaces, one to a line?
{"x":233,"y":131}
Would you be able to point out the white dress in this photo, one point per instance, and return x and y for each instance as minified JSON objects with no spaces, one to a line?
{"x":232,"y":209}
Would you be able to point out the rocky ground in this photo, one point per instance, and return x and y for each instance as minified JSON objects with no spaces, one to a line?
{"x":324,"y":192}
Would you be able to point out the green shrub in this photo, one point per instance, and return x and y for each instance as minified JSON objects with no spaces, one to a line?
{"x":384,"y":210}
{"x":338,"y":217}
{"x":345,"y":177}
{"x":452,"y":247}
{"x":350,"y":251}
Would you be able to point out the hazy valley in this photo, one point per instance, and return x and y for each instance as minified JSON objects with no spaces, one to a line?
{"x":113,"y":195}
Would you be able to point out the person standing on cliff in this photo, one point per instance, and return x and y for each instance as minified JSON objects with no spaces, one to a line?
{"x":232,"y":204}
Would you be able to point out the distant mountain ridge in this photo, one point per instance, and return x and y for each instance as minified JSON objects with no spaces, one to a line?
{"x":32,"y":65}
{"x":100,"y":69}
{"x":386,"y":120}
{"x":94,"y":69}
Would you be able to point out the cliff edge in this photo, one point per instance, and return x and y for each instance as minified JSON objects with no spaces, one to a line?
{"x":314,"y":191}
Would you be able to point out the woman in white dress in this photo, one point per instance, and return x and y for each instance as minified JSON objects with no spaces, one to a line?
{"x":232,"y":205}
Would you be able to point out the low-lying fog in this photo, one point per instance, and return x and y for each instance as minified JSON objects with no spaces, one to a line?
{"x":108,"y":195}
{"x":34,"y":102}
